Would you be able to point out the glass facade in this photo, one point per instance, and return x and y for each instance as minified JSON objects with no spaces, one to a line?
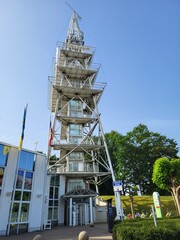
{"x":76,"y":156}
{"x":73,"y":167}
{"x":26,"y":160}
{"x":4,"y":151}
{"x":75,"y":130}
{"x":75,"y":184}
{"x":53,"y":199}
{"x":22,"y":193}
{"x":75,"y":108}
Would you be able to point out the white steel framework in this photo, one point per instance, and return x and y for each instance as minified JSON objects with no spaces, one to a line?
{"x":77,"y":129}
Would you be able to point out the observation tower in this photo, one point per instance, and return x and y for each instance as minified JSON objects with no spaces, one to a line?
{"x":83,"y":161}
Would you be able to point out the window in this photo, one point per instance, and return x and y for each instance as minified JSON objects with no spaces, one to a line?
{"x":15,"y":210}
{"x":28,"y":180}
{"x":23,"y":192}
{"x":17,"y":196}
{"x":26,"y":196}
{"x":53,"y":199}
{"x":1,"y":176}
{"x":73,"y":167}
{"x":19,"y":181}
{"x":4,"y":151}
{"x":22,"y":196}
{"x":26,"y":160}
{"x":75,"y":130}
{"x":54,"y":181}
{"x":75,"y":105}
{"x":24,"y":212}
{"x":76,"y":156}
{"x":24,"y":180}
{"x":75,"y":184}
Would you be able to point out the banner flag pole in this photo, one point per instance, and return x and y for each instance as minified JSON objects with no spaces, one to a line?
{"x":16,"y":170}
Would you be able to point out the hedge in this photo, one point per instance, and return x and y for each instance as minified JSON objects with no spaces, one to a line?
{"x":138,"y":229}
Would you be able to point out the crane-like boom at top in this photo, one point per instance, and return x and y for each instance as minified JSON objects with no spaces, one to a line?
{"x":74,"y":34}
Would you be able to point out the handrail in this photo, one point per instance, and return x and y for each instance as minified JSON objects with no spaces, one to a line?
{"x":71,"y":142}
{"x":95,"y":86}
{"x":59,"y":63}
{"x":82,"y":167}
{"x":76,"y":115}
{"x":81,"y":48}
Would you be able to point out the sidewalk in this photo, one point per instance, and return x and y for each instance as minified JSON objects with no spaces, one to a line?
{"x":98,"y":232}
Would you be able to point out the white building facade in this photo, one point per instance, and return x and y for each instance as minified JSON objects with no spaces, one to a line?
{"x":23,"y":190}
{"x":29,"y":197}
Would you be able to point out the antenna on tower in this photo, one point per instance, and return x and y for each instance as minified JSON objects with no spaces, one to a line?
{"x":79,"y":17}
{"x":74,"y":34}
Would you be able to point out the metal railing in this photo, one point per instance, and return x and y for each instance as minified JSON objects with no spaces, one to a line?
{"x":63,"y":63}
{"x":71,"y":141}
{"x":81,"y":167}
{"x":77,"y":48}
{"x":76,"y":115}
{"x":95,"y":86}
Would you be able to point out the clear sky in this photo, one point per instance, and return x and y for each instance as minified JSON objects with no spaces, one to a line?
{"x":137,"y":44}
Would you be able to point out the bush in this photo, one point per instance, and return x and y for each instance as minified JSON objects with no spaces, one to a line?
{"x":144,"y":229}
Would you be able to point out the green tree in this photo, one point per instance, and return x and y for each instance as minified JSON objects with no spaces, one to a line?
{"x":139,"y":150}
{"x":166,"y":175}
{"x":113,"y":140}
{"x":134,"y":154}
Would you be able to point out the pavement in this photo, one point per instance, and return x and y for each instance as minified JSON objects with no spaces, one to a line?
{"x":98,"y":232}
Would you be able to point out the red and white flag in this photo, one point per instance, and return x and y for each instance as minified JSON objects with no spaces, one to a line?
{"x":50,"y":135}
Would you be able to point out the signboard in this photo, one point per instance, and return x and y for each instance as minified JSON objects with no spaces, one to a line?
{"x":157,"y":204}
{"x":117,"y":186}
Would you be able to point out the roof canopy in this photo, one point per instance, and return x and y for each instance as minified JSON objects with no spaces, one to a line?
{"x":80,"y":193}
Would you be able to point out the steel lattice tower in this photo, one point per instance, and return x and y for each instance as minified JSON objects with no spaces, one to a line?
{"x":77,"y":129}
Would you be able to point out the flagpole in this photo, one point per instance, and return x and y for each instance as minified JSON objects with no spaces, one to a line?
{"x":16,"y":172}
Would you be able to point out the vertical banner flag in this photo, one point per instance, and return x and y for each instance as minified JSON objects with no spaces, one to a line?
{"x":50,"y":134}
{"x":23,"y":127}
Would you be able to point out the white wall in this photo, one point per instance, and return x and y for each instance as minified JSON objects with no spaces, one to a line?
{"x":100,"y":214}
{"x":46,"y":198}
{"x":38,"y":194}
{"x":62,"y":205}
{"x":39,"y":191}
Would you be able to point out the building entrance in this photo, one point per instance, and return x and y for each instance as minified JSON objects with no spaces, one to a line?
{"x":81,"y":214}
{"x":79,"y":207}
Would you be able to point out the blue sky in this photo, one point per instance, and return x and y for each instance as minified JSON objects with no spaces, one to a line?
{"x":137,"y":45}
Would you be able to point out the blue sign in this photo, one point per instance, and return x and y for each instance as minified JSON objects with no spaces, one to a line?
{"x":117,"y":183}
{"x":117,"y":186}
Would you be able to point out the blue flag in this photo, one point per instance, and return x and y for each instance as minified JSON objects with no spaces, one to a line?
{"x":23,"y":127}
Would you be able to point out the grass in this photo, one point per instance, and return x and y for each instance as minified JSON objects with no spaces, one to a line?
{"x":144,"y":203}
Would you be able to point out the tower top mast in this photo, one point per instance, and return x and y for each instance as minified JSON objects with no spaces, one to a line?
{"x":74,"y":34}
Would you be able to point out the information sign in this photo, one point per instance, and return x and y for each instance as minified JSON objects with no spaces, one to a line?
{"x":117,"y":186}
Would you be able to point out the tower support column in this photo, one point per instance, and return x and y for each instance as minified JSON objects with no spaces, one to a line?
{"x":70,"y":212}
{"x":119,"y":209}
{"x":91,"y":210}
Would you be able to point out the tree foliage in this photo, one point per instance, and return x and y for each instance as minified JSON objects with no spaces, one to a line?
{"x":134,"y":154}
{"x":166,"y":175}
{"x":113,"y":140}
